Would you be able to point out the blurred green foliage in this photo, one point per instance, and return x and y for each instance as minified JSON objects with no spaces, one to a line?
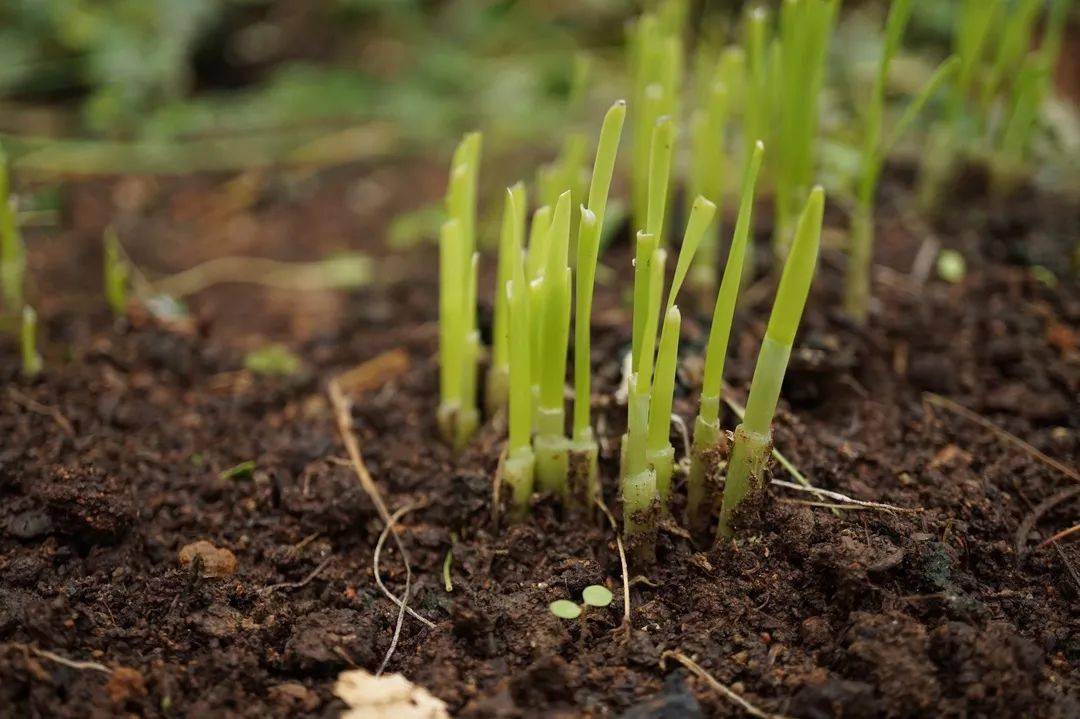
{"x":128,"y":55}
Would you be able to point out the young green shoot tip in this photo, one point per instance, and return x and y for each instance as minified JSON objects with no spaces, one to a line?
{"x":753,"y":438}
{"x":707,"y":450}
{"x":31,"y":359}
{"x":116,"y":273}
{"x":550,"y":442}
{"x":519,"y":465}
{"x":511,"y":247}
{"x":583,"y":479}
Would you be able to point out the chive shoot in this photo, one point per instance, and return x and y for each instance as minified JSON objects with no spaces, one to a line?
{"x":707,"y":450}
{"x":753,"y":438}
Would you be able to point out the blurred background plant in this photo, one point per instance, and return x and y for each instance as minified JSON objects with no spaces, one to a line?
{"x":129,"y":86}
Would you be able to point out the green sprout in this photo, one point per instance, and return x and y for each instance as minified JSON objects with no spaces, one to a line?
{"x":520,"y":462}
{"x":12,"y":249}
{"x":535,"y":260}
{"x":565,"y":609}
{"x":951,"y":266}
{"x":239,"y":471}
{"x":116,"y":274}
{"x":875,"y":150}
{"x":753,"y":438}
{"x":272,"y":360}
{"x":707,"y":449}
{"x":638,"y":478}
{"x":658,"y":451}
{"x":31,"y":359}
{"x":459,"y":340}
{"x":805,"y":27}
{"x":584,"y":452}
{"x":597,"y":595}
{"x":594,"y":595}
{"x":550,"y":443}
{"x":511,"y":242}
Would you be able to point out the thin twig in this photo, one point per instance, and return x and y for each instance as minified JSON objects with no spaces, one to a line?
{"x":1001,"y":434}
{"x":303,"y":582}
{"x":51,"y":656}
{"x":408,"y":583}
{"x":827,"y":505}
{"x":344,"y":423}
{"x":622,"y":561}
{"x":784,"y":462}
{"x":1060,"y":535}
{"x":842,"y":497}
{"x":43,"y":409}
{"x":1035,"y":514}
{"x":712,"y":682}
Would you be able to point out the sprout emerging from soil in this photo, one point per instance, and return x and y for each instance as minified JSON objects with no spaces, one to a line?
{"x":584,"y":452}
{"x":753,"y":438}
{"x":638,"y":479}
{"x":31,"y":359}
{"x":594,"y":595}
{"x":115,"y":274}
{"x":875,"y":150}
{"x":659,"y":453}
{"x":459,"y":341}
{"x":12,"y":250}
{"x":550,"y":442}
{"x":520,"y":462}
{"x":707,"y":450}
{"x":511,"y":242}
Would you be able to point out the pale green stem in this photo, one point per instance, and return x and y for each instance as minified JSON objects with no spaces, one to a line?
{"x":31,"y":360}
{"x":753,"y":439}
{"x":660,"y":453}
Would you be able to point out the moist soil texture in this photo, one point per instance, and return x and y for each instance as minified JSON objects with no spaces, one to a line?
{"x":143,"y":438}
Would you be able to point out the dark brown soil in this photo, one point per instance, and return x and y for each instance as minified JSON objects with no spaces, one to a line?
{"x":112,"y":462}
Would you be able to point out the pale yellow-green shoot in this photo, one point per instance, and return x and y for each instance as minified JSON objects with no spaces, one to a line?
{"x":519,"y":465}
{"x":706,"y":453}
{"x":550,"y":443}
{"x":31,"y":359}
{"x":511,"y":242}
{"x":753,"y":438}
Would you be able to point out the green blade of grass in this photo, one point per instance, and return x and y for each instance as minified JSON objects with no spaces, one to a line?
{"x":660,"y":152}
{"x":786,"y":313}
{"x":701,"y":215}
{"x":727,"y":296}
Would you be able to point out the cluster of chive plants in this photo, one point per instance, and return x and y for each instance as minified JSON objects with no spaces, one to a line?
{"x":533,"y":316}
{"x":761,"y":91}
{"x":1002,"y":79}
